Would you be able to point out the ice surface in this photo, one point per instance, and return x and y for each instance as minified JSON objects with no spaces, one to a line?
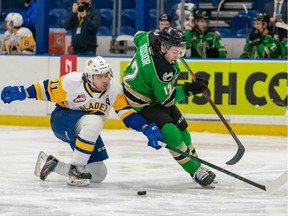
{"x":133,"y":166}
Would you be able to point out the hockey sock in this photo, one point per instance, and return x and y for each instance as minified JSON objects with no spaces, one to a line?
{"x":186,"y":137}
{"x":188,"y":141}
{"x":173,"y":137}
{"x":62,"y":168}
{"x":82,"y":151}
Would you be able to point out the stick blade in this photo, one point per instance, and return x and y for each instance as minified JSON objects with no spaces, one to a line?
{"x":277,"y":183}
{"x":239,"y":154}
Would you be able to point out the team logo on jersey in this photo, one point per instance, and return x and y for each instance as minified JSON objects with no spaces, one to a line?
{"x":167,"y":76}
{"x":89,"y":62}
{"x":80,"y":98}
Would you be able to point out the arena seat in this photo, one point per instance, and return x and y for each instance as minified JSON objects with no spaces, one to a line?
{"x":104,"y":31}
{"x":128,"y":17}
{"x":225,"y":32}
{"x":106,"y":17}
{"x":127,"y":30}
{"x":240,"y":22}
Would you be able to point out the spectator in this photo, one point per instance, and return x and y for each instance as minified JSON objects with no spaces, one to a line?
{"x":164,"y":20}
{"x":277,"y":11}
{"x":17,"y":39}
{"x":84,"y":21}
{"x":261,"y":43}
{"x":29,"y":16}
{"x":204,"y":43}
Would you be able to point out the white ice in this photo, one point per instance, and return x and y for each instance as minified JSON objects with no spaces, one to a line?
{"x":132,"y":167}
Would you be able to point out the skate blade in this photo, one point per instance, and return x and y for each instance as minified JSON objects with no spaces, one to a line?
{"x":211,"y":186}
{"x":72,"y":181}
{"x":41,"y":160}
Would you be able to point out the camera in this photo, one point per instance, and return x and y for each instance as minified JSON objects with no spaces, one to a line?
{"x":81,"y":7}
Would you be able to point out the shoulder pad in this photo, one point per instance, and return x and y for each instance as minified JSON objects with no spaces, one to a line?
{"x":23,"y":31}
{"x":115,"y":86}
{"x":152,"y":37}
{"x":165,"y":71}
{"x":217,"y":33}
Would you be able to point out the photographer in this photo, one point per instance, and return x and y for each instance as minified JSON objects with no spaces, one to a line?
{"x":84,"y":22}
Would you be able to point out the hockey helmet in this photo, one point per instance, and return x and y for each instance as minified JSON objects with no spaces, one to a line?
{"x":165,"y":17}
{"x":172,"y":37}
{"x":201,"y":14}
{"x":95,"y":66}
{"x":15,"y":19}
{"x":262,"y":17}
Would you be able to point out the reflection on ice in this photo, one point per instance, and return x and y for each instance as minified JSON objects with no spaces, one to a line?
{"x":133,"y":166}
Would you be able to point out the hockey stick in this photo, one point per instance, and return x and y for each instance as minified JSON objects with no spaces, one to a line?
{"x":246,"y":12}
{"x":269,"y":188}
{"x":281,"y":25}
{"x":218,"y":11}
{"x":241,"y":150}
{"x":217,"y":21}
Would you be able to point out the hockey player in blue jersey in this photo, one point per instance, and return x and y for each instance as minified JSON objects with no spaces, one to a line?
{"x":83,"y":101}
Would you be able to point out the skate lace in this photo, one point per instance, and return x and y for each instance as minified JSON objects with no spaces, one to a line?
{"x":78,"y":170}
{"x":200,"y":173}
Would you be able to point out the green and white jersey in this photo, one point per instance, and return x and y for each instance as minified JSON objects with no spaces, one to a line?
{"x":200,"y":43}
{"x":149,"y":79}
{"x":262,"y":47}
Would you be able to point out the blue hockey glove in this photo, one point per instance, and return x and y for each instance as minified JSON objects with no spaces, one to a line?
{"x":12,"y":93}
{"x":154,"y":135}
{"x":195,"y":87}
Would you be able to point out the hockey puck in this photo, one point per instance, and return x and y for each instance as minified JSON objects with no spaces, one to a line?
{"x":140,"y":193}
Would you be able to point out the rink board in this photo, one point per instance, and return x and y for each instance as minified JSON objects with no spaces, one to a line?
{"x":251,"y":95}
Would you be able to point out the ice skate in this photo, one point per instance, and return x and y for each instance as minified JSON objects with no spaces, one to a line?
{"x":78,"y":177}
{"x":211,"y":173}
{"x":41,"y":160}
{"x":204,"y":177}
{"x":48,"y":167}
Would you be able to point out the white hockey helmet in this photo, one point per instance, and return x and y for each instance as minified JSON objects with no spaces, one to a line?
{"x":15,"y":19}
{"x":94,"y":66}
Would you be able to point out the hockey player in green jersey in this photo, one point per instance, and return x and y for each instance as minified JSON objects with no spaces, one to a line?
{"x":261,"y":43}
{"x":149,"y":88}
{"x":284,"y":48}
{"x":204,"y":42}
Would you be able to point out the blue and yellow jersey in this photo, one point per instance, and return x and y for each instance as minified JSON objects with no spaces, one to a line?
{"x":71,"y":92}
{"x":19,"y":42}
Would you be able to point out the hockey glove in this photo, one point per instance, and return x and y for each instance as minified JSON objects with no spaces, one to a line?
{"x":255,"y":38}
{"x":12,"y":93}
{"x":154,"y":135}
{"x":195,"y":87}
{"x":212,"y":52}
